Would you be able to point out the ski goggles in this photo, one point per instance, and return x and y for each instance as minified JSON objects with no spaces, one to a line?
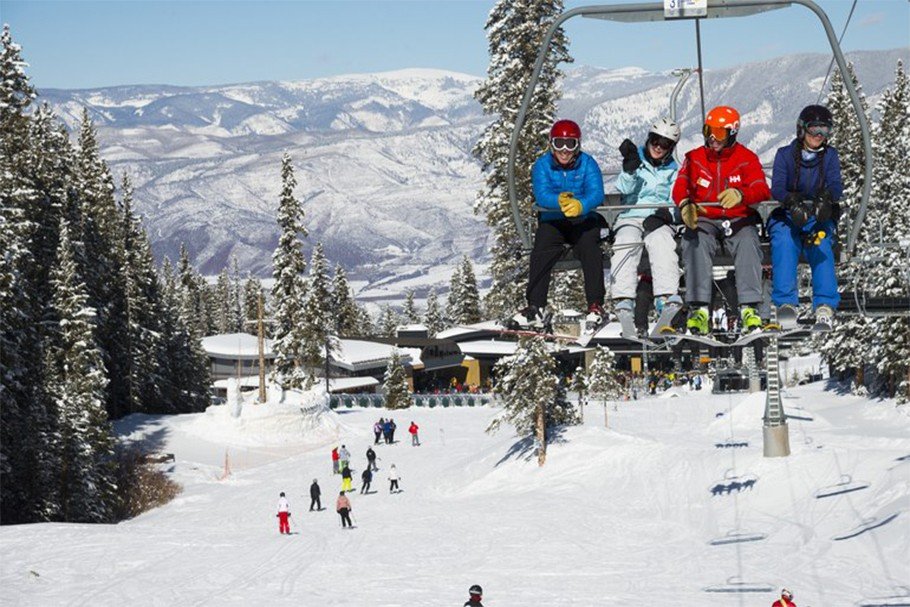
{"x":718,"y":133}
{"x":819,"y":130}
{"x":564,"y":144}
{"x":661,"y":142}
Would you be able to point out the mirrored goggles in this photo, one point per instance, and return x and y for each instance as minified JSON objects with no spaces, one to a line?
{"x":719,"y":133}
{"x":819,"y":130}
{"x":661,"y":142}
{"x":564,"y":144}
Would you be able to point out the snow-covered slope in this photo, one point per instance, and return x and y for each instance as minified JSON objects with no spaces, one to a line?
{"x":617,"y":516}
{"x":384,"y":160}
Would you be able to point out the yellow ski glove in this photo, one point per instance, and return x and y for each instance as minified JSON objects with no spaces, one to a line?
{"x":729,"y":198}
{"x":571,"y":206}
{"x":689,"y":211}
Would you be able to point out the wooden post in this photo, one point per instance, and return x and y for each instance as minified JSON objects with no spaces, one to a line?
{"x":261,"y":351}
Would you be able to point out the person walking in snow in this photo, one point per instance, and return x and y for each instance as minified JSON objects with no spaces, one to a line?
{"x":568,"y":184}
{"x":284,"y":513}
{"x":344,"y":457}
{"x":647,"y":177}
{"x":392,"y":427}
{"x":377,"y":431}
{"x":335,"y":456}
{"x":475,"y":593}
{"x":394,"y":477}
{"x":387,"y":431}
{"x":415,"y":440}
{"x":806,"y":179}
{"x":785,"y":600}
{"x":343,"y":508}
{"x":315,"y":493}
{"x":371,"y":459}
{"x":366,"y":478}
{"x":346,"y":479}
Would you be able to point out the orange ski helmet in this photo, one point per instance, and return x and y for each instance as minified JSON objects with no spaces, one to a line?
{"x":722,"y":123}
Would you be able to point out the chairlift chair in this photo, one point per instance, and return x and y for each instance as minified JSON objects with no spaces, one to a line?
{"x":714,"y":9}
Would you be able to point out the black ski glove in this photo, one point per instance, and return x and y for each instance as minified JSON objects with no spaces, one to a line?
{"x":824,"y":204}
{"x":630,"y":159}
{"x":792,"y":200}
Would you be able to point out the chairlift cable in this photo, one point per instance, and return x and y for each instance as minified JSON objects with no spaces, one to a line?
{"x":821,"y":91}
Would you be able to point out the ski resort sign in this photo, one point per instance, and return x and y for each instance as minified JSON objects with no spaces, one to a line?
{"x":676,"y":9}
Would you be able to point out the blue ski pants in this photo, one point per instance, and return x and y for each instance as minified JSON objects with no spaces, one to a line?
{"x":787,"y":242}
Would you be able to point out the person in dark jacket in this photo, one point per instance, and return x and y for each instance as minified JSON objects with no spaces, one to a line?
{"x":387,"y":431}
{"x":315,"y":493}
{"x":392,"y":427}
{"x":476,"y":594}
{"x":371,"y":459}
{"x":806,"y":180}
{"x":346,"y":477}
{"x":568,"y":185}
{"x":366,"y":478}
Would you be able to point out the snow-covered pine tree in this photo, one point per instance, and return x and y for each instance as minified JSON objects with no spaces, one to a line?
{"x":470,"y":296}
{"x":410,"y":314}
{"x":388,"y":322}
{"x":288,"y":291}
{"x":316,"y":316}
{"x":236,"y":306}
{"x":433,"y":318}
{"x":527,"y":387}
{"x":567,"y":291}
{"x":889,"y":276}
{"x":453,"y":301}
{"x":515,"y":30}
{"x":84,"y":443}
{"x":601,"y":379}
{"x":344,"y":309}
{"x":252,"y":289}
{"x":223,"y":299}
{"x":395,"y":383}
{"x":579,"y":385}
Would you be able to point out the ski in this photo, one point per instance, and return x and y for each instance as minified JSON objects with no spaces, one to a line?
{"x":665,"y":320}
{"x":588,"y":334}
{"x":670,"y":334}
{"x":770,"y":331}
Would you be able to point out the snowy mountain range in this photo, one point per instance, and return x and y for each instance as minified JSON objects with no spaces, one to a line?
{"x":383,"y":161}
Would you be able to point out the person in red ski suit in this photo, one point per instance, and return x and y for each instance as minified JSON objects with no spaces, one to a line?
{"x":786,"y":599}
{"x":284,"y":513}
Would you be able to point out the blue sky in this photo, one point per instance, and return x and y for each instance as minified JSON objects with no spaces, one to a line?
{"x":83,"y":44}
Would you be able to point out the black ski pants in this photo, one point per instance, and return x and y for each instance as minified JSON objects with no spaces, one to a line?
{"x":584,"y":238}
{"x":314,"y":501}
{"x":393,"y":486}
{"x":365,"y":487}
{"x":345,"y":517}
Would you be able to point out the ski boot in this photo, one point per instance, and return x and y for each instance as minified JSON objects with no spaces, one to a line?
{"x":697,"y":323}
{"x":625,"y":313}
{"x":596,"y":318}
{"x":528,"y":319}
{"x":824,"y":319}
{"x":750,"y":319}
{"x":666,"y":307}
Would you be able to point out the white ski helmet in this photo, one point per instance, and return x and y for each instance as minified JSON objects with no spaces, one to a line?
{"x":666,"y":128}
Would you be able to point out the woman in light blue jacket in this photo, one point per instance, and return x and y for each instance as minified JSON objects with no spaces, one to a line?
{"x":647,"y":178}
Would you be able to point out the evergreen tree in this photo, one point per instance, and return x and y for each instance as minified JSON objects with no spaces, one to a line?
{"x":395,"y":384}
{"x":84,"y":442}
{"x":316,"y":317}
{"x":346,"y":317}
{"x":464,"y":298}
{"x":411,"y":316}
{"x":515,"y":31}
{"x":252,"y":289}
{"x":433,"y":318}
{"x":388,"y":322}
{"x":223,"y":298}
{"x":601,"y":382}
{"x":568,"y":291}
{"x":453,"y":302}
{"x":528,"y":387}
{"x":235,"y":321}
{"x":288,"y":291}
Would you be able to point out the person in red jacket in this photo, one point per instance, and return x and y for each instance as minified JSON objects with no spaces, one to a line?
{"x":335,"y":458}
{"x":415,"y":440}
{"x":726,"y":172}
{"x":786,"y":599}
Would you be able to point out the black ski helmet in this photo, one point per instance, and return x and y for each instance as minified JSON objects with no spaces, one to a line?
{"x":813,"y":115}
{"x":475,"y":589}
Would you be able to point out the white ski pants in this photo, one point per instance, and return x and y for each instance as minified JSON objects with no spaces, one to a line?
{"x":627,"y":253}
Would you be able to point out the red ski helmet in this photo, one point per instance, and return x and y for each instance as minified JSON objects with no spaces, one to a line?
{"x":565,"y":128}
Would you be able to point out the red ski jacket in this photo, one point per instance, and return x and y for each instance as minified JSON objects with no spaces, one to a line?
{"x":706,"y":173}
{"x":782,"y":602}
{"x":413,"y":429}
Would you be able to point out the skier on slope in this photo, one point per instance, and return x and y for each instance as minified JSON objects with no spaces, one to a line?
{"x":284,"y":513}
{"x":344,"y":457}
{"x":315,"y":493}
{"x":786,"y":599}
{"x":346,"y":476}
{"x":647,"y":177}
{"x":476,"y":594}
{"x":806,"y":179}
{"x":727,"y":172}
{"x":567,"y":183}
{"x":335,"y":457}
{"x":394,"y":477}
{"x":371,"y":459}
{"x":343,"y":508}
{"x":366,"y":477}
{"x":412,"y":429}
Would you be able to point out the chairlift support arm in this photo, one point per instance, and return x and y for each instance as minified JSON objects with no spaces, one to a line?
{"x":655,"y":12}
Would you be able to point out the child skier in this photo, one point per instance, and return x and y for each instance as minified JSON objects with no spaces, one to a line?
{"x":476,"y":594}
{"x":806,"y":179}
{"x":284,"y":513}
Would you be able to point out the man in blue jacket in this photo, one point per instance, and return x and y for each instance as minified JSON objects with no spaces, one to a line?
{"x":568,"y":184}
{"x":806,"y":180}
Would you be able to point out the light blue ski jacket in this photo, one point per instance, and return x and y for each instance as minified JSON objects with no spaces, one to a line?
{"x":583,"y":178}
{"x":647,"y":185}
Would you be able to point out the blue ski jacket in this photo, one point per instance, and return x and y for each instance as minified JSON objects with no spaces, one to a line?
{"x":822,"y":171}
{"x":649,"y":184}
{"x":583,"y":178}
